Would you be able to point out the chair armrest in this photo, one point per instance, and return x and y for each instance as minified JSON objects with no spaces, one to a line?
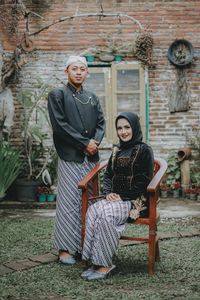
{"x":155,"y":182}
{"x":94,"y":172}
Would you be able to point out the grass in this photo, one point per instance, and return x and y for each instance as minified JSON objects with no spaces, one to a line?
{"x":177,"y":275}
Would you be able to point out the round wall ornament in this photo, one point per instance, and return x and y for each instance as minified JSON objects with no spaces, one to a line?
{"x":180,"y":53}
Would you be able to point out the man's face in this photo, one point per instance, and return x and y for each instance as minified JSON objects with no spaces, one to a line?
{"x":77,"y":73}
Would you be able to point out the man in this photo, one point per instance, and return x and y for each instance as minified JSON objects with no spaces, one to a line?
{"x":78,"y":128}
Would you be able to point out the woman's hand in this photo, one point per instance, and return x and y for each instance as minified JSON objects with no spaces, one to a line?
{"x":113,"y":197}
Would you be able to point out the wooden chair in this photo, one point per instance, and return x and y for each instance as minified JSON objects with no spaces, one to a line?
{"x":153,"y":189}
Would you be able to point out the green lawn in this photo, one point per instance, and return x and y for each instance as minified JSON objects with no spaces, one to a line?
{"x":177,"y":275}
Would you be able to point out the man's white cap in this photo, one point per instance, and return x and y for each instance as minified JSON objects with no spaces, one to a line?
{"x":74,"y":59}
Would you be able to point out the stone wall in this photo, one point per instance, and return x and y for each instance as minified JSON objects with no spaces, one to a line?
{"x":167,"y":20}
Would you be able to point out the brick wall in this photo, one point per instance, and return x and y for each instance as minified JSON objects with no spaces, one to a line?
{"x":167,"y":20}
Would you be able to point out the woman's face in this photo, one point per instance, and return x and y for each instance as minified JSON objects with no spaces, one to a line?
{"x":124,"y":130}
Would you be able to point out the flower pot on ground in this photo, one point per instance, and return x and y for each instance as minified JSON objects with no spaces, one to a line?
{"x":176,"y":193}
{"x":42,"y":193}
{"x":26,"y":190}
{"x":176,"y":187}
{"x":42,"y":198}
{"x":51,"y":197}
{"x":46,"y":193}
{"x":163,"y":194}
{"x":198,"y":194}
{"x":164,"y":190}
{"x":187,"y":193}
{"x":193,"y":193}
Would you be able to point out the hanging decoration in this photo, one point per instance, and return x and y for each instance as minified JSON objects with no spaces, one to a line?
{"x":180,"y":54}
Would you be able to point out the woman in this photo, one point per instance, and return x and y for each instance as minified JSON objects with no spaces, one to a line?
{"x":128,"y":173}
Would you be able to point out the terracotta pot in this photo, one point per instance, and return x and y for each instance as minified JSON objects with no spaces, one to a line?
{"x":184,"y":153}
{"x":106,"y":57}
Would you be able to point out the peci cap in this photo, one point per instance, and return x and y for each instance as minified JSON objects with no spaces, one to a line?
{"x":75,"y":58}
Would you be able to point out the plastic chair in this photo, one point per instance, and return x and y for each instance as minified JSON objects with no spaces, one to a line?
{"x":153,"y":189}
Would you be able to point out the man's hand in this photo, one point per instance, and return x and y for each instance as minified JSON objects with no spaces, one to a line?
{"x":92,"y":147}
{"x":113,"y":197}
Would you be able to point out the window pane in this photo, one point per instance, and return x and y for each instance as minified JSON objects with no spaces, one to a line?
{"x":96,"y":84}
{"x":128,"y":80}
{"x":130,"y":102}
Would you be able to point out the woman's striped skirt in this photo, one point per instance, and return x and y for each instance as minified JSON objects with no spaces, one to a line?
{"x":67,"y":233}
{"x":105,"y":222}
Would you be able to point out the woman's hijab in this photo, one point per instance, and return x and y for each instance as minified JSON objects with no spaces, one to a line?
{"x":134,"y":122}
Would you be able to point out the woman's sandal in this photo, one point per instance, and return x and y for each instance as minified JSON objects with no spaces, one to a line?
{"x":87,"y":272}
{"x":95,"y":275}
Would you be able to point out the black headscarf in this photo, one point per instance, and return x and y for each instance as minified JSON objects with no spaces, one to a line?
{"x":134,"y":121}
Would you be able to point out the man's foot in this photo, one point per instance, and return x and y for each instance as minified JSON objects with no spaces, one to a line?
{"x":66,"y":258}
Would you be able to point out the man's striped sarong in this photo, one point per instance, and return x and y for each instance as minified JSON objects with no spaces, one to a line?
{"x":105,"y":222}
{"x":68,"y":207}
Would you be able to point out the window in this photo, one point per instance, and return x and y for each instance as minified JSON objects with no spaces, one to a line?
{"x":120,"y":87}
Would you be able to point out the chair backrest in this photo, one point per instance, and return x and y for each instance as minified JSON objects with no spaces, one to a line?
{"x":160,"y":167}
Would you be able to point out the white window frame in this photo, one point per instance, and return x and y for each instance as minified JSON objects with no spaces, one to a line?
{"x":111,"y":93}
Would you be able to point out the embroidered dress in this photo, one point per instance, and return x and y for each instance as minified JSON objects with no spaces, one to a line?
{"x":68,"y":207}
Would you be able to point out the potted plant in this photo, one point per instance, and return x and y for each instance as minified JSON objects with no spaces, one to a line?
{"x":164,"y":188}
{"x":187,"y":193}
{"x":193,"y":193}
{"x":113,"y":48}
{"x":198,"y":194}
{"x":10,"y":166}
{"x":36,"y":131}
{"x":45,"y":193}
{"x":176,"y":187}
{"x":173,"y":173}
{"x":41,"y":193}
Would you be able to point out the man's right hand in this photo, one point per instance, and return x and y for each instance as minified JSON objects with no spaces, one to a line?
{"x":92,"y":147}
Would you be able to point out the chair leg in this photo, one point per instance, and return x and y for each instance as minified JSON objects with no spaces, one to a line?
{"x":157,"y":258}
{"x":152,"y":252}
